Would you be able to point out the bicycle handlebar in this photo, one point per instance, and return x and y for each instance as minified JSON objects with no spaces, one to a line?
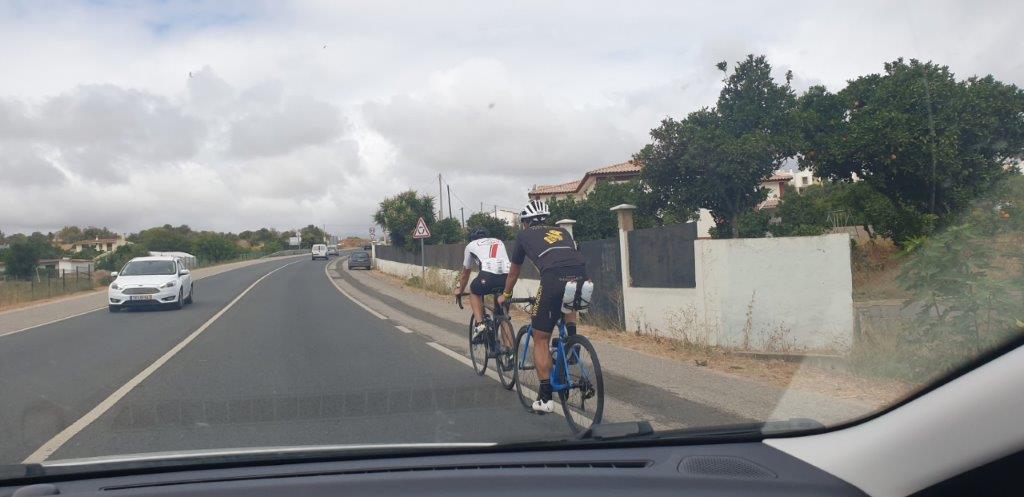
{"x":458,"y":299}
{"x":523,"y":300}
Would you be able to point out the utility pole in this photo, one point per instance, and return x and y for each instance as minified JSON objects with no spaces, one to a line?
{"x":481,"y":206}
{"x":449,"y":200}
{"x":440,"y":198}
{"x":462,"y":213}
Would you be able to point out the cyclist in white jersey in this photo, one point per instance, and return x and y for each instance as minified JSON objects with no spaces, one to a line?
{"x":494,"y":266}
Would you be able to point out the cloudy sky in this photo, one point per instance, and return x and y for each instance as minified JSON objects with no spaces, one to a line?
{"x":236,"y":115}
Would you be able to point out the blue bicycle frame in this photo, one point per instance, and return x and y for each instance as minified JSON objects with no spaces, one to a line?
{"x":561,"y":363}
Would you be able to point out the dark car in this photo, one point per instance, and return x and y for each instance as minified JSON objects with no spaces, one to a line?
{"x":359,"y":260}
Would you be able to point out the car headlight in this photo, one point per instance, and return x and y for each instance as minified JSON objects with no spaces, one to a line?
{"x":170,"y":284}
{"x":113,"y":286}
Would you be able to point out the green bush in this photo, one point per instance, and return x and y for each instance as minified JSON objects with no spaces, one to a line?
{"x":21,"y":259}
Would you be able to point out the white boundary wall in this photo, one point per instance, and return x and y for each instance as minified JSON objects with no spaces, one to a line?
{"x":769,"y":294}
{"x":792,"y":293}
{"x":524,"y":288}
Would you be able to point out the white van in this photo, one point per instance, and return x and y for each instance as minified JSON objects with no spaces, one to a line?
{"x":319,"y":251}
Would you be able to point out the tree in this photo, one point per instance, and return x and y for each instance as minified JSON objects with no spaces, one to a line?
{"x":717,"y":157}
{"x":21,"y":259}
{"x":167,"y":239}
{"x":311,"y":235}
{"x":497,"y":228}
{"x":925,"y":141}
{"x":214,"y":247}
{"x":594,"y":219}
{"x":398,"y":216}
{"x":93,"y":232}
{"x":87,"y":252}
{"x":116,"y":260}
{"x":447,"y":230}
{"x":69,"y":234}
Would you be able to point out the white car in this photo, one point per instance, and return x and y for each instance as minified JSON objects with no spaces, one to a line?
{"x":151,"y":281}
{"x":319,"y":251}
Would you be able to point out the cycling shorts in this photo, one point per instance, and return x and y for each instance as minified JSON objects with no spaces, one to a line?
{"x":548,"y":309}
{"x":487,"y":283}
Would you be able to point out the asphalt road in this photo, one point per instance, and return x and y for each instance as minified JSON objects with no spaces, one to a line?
{"x":291,"y":362}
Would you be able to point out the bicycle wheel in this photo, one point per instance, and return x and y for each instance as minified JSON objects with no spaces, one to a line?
{"x":525,"y":376}
{"x":583,"y":402}
{"x":477,"y":348}
{"x":504,"y":363}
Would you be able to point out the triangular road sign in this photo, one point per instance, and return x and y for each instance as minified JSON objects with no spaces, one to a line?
{"x":421,"y":230}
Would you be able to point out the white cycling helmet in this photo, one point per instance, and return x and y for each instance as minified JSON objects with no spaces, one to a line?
{"x":534,"y":209}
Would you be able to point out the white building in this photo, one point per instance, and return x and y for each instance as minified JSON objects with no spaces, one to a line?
{"x":67,"y":265}
{"x":804,"y":178}
{"x":511,"y":218}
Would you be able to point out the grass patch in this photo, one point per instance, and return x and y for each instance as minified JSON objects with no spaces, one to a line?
{"x":434,"y":282}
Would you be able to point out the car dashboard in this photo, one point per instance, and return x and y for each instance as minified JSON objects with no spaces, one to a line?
{"x":698,"y":470}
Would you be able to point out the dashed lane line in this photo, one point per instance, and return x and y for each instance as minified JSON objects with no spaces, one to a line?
{"x":55,"y":443}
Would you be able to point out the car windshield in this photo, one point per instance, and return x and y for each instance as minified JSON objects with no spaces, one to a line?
{"x":700,"y":215}
{"x":139,"y":268}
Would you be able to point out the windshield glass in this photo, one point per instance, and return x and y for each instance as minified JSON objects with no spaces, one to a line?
{"x":725,"y":214}
{"x":138,"y":268}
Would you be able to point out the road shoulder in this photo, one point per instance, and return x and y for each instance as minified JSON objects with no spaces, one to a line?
{"x":645,"y":375}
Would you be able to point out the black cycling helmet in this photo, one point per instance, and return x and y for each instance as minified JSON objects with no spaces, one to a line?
{"x":478,"y":234}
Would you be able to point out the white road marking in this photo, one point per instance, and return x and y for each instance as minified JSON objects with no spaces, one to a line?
{"x":104,"y":306}
{"x":51,"y":446}
{"x":454,"y":355}
{"x":54,"y":321}
{"x":434,"y":345}
{"x":350,"y":297}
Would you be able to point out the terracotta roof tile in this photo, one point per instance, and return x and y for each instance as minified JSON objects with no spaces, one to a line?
{"x":560,"y":188}
{"x":780,"y":177}
{"x":624,"y":167}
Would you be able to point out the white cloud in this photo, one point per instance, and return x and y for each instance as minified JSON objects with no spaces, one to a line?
{"x":288,"y":113}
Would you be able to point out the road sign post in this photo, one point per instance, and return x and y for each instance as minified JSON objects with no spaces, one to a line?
{"x":422,"y":233}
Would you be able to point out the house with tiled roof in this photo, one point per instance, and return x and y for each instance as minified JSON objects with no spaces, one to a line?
{"x":625,"y":171}
{"x":580,"y":188}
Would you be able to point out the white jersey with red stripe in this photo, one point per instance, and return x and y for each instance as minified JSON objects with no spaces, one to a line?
{"x":491,"y":254}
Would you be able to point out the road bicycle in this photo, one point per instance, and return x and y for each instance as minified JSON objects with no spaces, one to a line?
{"x":575,"y":376}
{"x":486,"y":345}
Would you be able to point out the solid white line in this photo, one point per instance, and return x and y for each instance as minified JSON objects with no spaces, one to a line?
{"x":90,"y":310}
{"x":343,"y":292}
{"x":453,"y":354}
{"x":61,"y":438}
{"x":403,"y":329}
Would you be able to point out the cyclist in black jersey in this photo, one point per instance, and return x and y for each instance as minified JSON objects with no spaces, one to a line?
{"x":553,"y":250}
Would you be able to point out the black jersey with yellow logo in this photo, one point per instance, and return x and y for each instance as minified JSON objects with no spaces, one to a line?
{"x":547,"y":246}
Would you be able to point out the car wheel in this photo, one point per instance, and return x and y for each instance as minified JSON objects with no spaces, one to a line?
{"x":181,"y":299}
{"x":113,"y":308}
{"x":191,"y":294}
